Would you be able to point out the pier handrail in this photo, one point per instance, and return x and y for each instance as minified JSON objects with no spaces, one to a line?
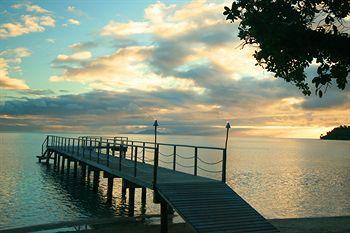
{"x":45,"y":143}
{"x":105,"y":147}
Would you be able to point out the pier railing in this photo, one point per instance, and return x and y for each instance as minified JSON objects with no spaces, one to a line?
{"x":196,"y":160}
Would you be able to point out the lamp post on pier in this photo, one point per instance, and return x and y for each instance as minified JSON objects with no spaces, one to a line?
{"x":228,"y":126}
{"x":224,"y":157}
{"x":155,"y":124}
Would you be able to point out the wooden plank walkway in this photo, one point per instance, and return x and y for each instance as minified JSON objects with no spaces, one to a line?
{"x":213,"y":207}
{"x":206,"y":204}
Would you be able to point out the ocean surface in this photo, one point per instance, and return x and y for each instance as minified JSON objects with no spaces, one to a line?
{"x":281,"y":178}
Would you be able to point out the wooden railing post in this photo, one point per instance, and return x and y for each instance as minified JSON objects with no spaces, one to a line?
{"x":132,"y":150}
{"x":90,"y":151}
{"x":121,"y":149}
{"x":83,"y":145}
{"x":113,"y":150}
{"x":99,"y":152}
{"x":107,"y":154}
{"x":174,"y":159}
{"x":195,"y":160}
{"x":155,"y":169}
{"x":224,"y":166}
{"x":78,"y":147}
{"x":143,"y":152}
{"x":73,"y":145}
{"x":135,"y":163}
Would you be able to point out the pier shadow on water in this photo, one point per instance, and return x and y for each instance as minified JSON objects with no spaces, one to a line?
{"x":77,"y":195}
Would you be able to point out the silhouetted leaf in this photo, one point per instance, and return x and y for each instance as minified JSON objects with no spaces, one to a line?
{"x":320,"y":93}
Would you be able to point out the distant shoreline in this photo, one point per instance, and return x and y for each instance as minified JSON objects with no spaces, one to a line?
{"x":340,"y":224}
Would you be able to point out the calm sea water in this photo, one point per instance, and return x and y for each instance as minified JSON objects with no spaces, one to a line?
{"x":281,"y":178}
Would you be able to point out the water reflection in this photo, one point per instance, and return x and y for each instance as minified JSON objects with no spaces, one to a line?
{"x":279,"y":177}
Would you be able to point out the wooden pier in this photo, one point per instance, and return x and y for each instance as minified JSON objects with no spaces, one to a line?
{"x":194,"y":185}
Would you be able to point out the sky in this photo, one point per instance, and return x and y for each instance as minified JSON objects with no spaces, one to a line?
{"x":113,"y":67}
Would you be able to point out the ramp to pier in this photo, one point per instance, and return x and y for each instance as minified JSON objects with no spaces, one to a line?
{"x":213,"y":207}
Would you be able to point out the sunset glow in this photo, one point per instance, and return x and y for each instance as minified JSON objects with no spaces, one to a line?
{"x":114,"y":67}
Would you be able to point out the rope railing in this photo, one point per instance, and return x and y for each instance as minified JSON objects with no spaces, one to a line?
{"x":166,"y":155}
{"x":209,"y":163}
{"x":167,"y":162}
{"x":185,"y":166}
{"x":210,"y":171}
{"x":185,"y":157}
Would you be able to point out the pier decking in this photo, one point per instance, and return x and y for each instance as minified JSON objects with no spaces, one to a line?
{"x":191,"y":185}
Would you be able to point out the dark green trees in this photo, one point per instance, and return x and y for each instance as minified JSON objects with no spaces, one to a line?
{"x":292,"y":34}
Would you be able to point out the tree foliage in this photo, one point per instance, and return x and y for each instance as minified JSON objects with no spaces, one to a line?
{"x":290,"y":35}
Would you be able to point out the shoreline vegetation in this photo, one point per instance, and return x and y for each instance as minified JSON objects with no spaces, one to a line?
{"x":339,"y":133}
{"x":340,"y":224}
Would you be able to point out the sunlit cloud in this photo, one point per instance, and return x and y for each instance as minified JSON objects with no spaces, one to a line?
{"x":71,"y":22}
{"x":74,"y":22}
{"x":27,"y":24}
{"x":83,"y":45}
{"x":79,"y":56}
{"x":29,"y":7}
{"x":7,"y":82}
{"x":125,"y":69}
{"x":50,"y":40}
{"x":169,"y":21}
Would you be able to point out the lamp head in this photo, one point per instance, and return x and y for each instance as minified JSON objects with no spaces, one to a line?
{"x":155,"y":124}
{"x":228,"y":126}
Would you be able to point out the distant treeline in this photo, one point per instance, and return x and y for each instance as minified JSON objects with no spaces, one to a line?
{"x":339,"y":133}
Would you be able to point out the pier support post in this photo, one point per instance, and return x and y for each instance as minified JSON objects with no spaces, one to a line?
{"x":58,"y":162}
{"x":48,"y":155}
{"x":55,"y":159}
{"x":131,"y":201}
{"x":123,"y":189}
{"x":83,"y":171}
{"x":68,"y":165}
{"x":110,"y":189}
{"x":88,"y":173}
{"x":75,"y":168}
{"x":62,"y":165}
{"x":143,"y":196}
{"x":96,"y":179}
{"x":163,"y":217}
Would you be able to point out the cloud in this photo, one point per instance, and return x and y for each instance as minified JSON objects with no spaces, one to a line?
{"x":71,"y":8}
{"x":74,"y":22}
{"x":79,"y":56}
{"x":15,"y":54}
{"x":77,"y":12}
{"x":180,"y":112}
{"x":28,"y":24}
{"x":29,"y":7}
{"x":124,"y":70}
{"x":83,"y":45}
{"x":47,"y":21}
{"x":9,"y":83}
{"x":169,"y":21}
{"x":50,"y":40}
{"x":9,"y":61}
{"x":190,"y":35}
